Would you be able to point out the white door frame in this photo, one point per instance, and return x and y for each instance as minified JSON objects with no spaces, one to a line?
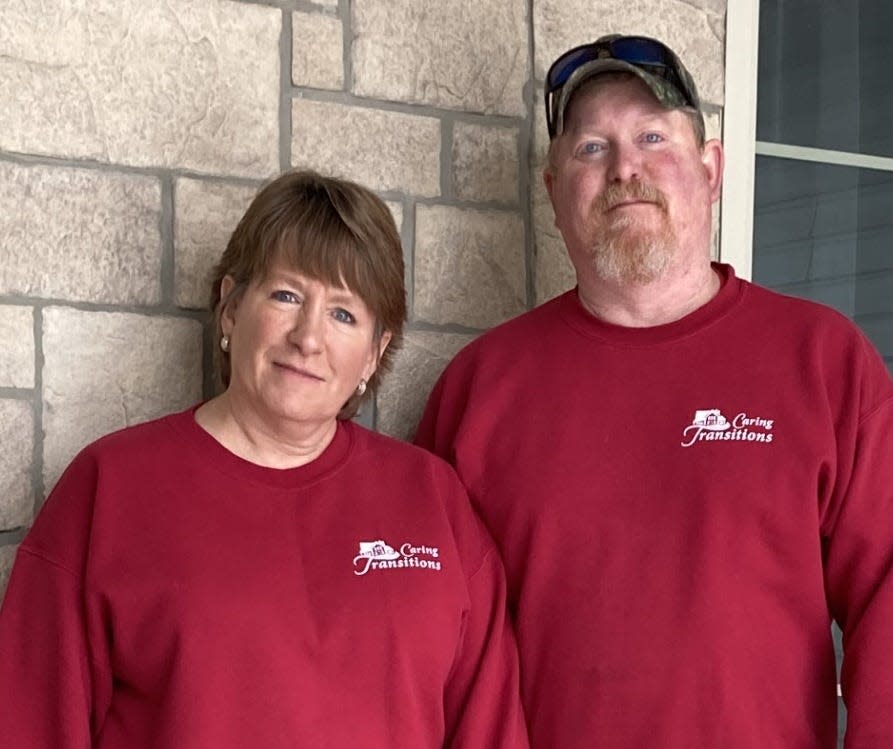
{"x":739,"y":125}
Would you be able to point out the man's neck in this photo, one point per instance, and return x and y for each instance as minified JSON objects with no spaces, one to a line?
{"x":645,"y":305}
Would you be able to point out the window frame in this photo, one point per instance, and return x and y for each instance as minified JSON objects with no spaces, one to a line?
{"x":740,"y":139}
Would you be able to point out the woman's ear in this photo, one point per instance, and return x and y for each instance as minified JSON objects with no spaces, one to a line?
{"x":378,"y":350}
{"x":383,"y":343}
{"x":228,"y":304}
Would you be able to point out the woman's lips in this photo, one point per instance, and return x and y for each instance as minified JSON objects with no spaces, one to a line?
{"x":299,"y":371}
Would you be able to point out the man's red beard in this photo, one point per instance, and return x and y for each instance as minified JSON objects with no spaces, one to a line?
{"x":626,"y":248}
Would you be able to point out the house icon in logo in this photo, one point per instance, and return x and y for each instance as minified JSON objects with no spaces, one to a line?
{"x":377,"y":550}
{"x":710,"y":418}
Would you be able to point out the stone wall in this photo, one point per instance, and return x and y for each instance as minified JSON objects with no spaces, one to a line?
{"x":134,"y":133}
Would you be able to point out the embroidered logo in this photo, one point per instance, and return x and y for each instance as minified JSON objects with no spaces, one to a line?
{"x":377,"y":555}
{"x":709,"y":425}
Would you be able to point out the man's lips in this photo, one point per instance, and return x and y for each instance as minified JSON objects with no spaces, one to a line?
{"x":630,"y":202}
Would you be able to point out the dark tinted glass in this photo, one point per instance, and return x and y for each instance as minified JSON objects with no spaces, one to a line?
{"x":824,"y":74}
{"x":826,"y":233}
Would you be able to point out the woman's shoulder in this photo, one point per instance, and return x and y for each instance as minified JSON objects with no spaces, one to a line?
{"x":389,"y":450}
{"x":106,"y":467}
{"x":138,"y":439}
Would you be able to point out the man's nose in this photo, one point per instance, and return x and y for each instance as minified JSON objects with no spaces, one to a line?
{"x":624,"y":163}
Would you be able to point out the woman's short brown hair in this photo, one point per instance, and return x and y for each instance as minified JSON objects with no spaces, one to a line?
{"x":331,"y":230}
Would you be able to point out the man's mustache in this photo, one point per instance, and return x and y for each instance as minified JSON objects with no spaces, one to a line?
{"x":617,"y":193}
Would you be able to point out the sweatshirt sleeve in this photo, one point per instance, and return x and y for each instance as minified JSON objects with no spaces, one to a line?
{"x":50,"y":687}
{"x":859,"y":580}
{"x":44,"y":671}
{"x":441,"y":422}
{"x":431,"y":433}
{"x":482,"y":699}
{"x":483,"y":705}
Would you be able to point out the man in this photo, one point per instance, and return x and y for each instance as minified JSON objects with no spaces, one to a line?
{"x":688,"y":475}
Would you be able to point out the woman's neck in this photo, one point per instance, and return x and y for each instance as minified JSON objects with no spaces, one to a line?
{"x":242,"y":431}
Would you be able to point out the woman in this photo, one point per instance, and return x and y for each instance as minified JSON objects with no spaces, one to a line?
{"x":259,"y":571}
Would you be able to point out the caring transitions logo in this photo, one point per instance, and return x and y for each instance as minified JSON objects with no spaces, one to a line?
{"x":709,"y":425}
{"x":377,"y":555}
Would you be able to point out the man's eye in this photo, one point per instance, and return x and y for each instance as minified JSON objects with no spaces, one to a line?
{"x":342,"y":315}
{"x":285,"y":296}
{"x":592,"y":148}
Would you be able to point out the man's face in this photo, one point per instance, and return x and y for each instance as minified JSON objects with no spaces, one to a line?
{"x":631,"y":189}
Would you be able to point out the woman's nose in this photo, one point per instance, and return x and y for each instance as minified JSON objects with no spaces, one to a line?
{"x":308,"y":331}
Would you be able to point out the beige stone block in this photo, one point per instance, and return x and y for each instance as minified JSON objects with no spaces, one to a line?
{"x":694,"y":30}
{"x":317,"y":51}
{"x":385,"y":151}
{"x":79,"y":234}
{"x":165,"y":83}
{"x":107,"y":370}
{"x":16,"y":346}
{"x":7,"y":559}
{"x":16,"y":451}
{"x":485,"y":163}
{"x":469,"y":266}
{"x":205,"y":215}
{"x":540,"y":133}
{"x":396,"y":210}
{"x":405,"y":390}
{"x":553,"y":271}
{"x":451,"y":53}
{"x":713,"y":125}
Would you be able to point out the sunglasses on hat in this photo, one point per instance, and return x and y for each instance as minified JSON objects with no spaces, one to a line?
{"x":650,"y":56}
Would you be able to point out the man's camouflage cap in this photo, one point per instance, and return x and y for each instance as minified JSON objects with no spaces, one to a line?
{"x":665,"y":90}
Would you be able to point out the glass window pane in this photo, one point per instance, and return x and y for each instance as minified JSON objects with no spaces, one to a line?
{"x":825,"y":233}
{"x":823,"y":79}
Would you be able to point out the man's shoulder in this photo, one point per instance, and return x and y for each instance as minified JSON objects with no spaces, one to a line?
{"x":787,"y":310}
{"x":830,"y":338}
{"x":505,"y":338}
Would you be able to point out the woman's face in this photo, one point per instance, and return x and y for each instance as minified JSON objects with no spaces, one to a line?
{"x":298,"y":347}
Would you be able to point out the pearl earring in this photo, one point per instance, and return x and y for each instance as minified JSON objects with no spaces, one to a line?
{"x":224,"y":343}
{"x":361,"y":388}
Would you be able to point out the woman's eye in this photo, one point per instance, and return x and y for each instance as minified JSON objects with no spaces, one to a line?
{"x":285,"y":296}
{"x":342,"y":315}
{"x":653,"y":138}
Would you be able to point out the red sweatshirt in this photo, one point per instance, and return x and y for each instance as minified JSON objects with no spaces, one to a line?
{"x":174,"y":596}
{"x":682,"y":510}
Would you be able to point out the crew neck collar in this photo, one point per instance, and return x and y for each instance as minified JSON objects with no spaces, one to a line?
{"x":730,"y":292}
{"x":216,"y":455}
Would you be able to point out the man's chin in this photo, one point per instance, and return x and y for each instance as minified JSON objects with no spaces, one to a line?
{"x":628,"y":259}
{"x":630,"y":274}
